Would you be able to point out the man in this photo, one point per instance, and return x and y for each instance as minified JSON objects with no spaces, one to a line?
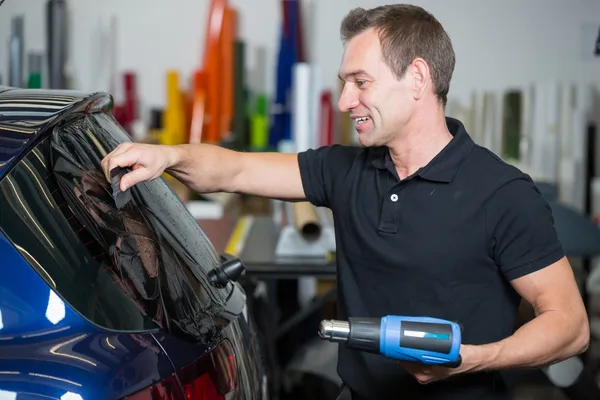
{"x":427,"y":223}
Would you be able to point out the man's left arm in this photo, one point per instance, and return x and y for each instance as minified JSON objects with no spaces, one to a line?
{"x":559,"y":330}
{"x":526,"y":248}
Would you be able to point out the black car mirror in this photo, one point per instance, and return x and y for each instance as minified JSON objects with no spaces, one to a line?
{"x":230,"y":269}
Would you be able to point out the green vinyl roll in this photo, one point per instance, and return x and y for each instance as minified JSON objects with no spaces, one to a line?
{"x":511,"y":125}
{"x":240,"y":115}
{"x":259,"y":124}
{"x":35,"y":81}
{"x":260,"y":132}
{"x":262,"y":105}
{"x":35,"y":71}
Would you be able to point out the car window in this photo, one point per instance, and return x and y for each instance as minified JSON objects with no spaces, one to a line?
{"x":139,"y":267}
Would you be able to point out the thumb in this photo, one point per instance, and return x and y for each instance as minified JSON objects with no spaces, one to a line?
{"x":134,"y":177}
{"x":125,"y":159}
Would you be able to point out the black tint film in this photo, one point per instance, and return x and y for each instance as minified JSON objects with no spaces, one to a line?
{"x":151,"y":251}
{"x":40,"y":223}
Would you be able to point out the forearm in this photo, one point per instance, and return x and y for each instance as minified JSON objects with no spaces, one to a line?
{"x":204,"y":168}
{"x":208,"y":168}
{"x":548,"y":338}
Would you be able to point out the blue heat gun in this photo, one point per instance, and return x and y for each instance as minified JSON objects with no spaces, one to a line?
{"x":425,"y":340}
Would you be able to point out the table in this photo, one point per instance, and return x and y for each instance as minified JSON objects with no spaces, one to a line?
{"x":257,"y":250}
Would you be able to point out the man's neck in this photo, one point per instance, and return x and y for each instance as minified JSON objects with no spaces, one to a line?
{"x":421,"y":141}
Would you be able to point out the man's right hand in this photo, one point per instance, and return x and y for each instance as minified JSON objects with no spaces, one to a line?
{"x":147,"y":162}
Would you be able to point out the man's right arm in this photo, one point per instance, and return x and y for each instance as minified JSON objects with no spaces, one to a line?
{"x":207,"y":168}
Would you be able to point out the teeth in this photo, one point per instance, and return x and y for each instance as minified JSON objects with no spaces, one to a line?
{"x":362,"y":119}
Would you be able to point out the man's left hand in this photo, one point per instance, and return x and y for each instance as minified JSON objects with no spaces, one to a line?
{"x":425,"y":374}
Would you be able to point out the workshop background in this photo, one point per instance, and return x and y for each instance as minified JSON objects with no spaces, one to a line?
{"x":261,"y":75}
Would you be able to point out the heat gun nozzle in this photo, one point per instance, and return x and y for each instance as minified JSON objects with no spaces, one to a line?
{"x":334,"y":330}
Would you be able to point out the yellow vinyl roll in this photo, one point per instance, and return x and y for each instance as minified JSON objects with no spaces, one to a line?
{"x":174,"y":131}
{"x":345,"y":127}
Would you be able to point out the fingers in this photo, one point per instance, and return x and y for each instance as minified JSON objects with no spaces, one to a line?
{"x":128,"y":157}
{"x":108,"y":163}
{"x":134,"y":177}
{"x":119,"y":149}
{"x":424,"y":374}
{"x":146,"y":162}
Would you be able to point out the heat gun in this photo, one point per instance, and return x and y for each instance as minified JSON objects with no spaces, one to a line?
{"x":426,"y":340}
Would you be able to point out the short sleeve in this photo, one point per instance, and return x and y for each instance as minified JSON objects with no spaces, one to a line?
{"x":323,"y":171}
{"x":521,"y":229}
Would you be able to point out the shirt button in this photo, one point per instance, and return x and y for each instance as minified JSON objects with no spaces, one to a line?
{"x":394,"y":197}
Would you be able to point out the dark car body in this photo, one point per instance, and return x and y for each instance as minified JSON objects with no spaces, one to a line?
{"x":102,"y":302}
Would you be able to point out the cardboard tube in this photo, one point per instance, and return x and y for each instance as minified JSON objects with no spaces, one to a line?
{"x":306,"y":221}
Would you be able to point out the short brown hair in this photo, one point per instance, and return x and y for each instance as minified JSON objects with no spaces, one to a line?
{"x":407,"y":32}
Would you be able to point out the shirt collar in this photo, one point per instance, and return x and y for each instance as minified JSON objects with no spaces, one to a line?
{"x":443,"y":166}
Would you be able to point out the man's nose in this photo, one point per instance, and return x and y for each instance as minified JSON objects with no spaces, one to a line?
{"x":348,"y":99}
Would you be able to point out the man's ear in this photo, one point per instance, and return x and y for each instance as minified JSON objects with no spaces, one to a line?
{"x":421,"y":77}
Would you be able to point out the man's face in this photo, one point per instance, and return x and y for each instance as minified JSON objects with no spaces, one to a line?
{"x":379,"y":104}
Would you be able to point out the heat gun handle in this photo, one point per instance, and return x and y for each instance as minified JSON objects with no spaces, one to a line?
{"x":426,"y":340}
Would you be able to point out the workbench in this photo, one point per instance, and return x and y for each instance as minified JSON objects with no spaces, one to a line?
{"x":254,"y":240}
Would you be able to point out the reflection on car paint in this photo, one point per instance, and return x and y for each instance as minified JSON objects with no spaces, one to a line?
{"x":20,"y":123}
{"x":55,"y":312}
{"x":49,"y":351}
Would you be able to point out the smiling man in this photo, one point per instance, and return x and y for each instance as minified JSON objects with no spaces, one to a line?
{"x":427,"y":222}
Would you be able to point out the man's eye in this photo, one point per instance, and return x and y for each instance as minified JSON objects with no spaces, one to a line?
{"x":360,"y":83}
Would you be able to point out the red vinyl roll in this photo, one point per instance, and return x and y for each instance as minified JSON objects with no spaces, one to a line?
{"x":326,"y":116}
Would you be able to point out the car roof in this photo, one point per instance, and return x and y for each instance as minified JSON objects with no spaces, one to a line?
{"x":27,"y":114}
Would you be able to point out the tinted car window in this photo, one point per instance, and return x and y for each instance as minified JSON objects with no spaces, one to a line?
{"x":139,"y":267}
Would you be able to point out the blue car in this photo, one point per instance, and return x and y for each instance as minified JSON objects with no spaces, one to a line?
{"x":107,"y":295}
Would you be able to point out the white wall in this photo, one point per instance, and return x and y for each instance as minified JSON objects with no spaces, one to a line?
{"x":498,"y":43}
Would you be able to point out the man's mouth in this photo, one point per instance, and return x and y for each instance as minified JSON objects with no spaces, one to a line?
{"x":361,"y":120}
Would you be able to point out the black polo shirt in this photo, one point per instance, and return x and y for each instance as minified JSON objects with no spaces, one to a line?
{"x":444,"y":242}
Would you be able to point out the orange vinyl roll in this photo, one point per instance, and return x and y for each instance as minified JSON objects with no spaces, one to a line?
{"x":213,"y":66}
{"x":227,"y":47}
{"x":198,"y":107}
{"x":186,"y":110}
